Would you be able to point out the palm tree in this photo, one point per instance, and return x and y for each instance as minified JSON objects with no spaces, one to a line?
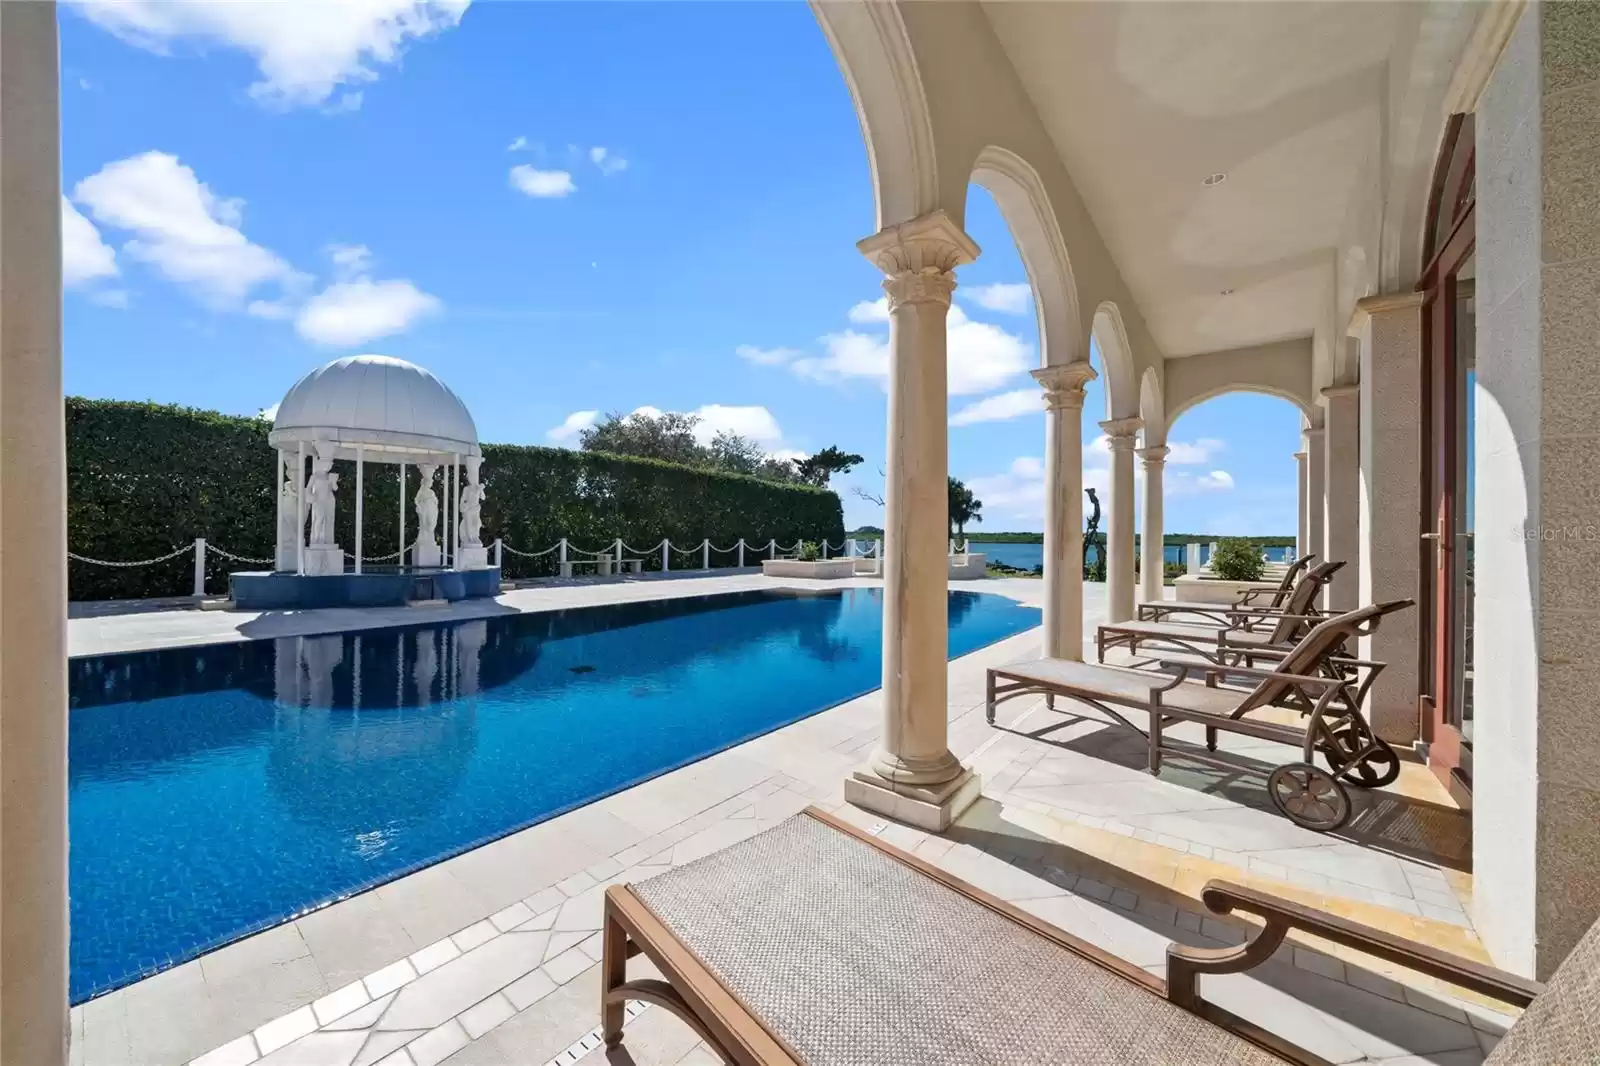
{"x":964,"y":508}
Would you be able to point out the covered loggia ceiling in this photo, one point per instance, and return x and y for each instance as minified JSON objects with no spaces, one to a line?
{"x":1147,"y":101}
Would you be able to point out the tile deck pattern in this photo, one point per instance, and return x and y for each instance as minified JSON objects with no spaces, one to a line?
{"x":491,"y":957}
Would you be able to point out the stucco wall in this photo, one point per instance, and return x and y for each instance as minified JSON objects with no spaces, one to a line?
{"x":1537,"y":792}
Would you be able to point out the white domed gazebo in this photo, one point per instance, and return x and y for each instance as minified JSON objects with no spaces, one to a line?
{"x":366,"y":409}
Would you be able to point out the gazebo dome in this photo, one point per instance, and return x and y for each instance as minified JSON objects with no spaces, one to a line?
{"x":394,"y":410}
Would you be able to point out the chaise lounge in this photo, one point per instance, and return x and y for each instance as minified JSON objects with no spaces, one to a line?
{"x":1156,"y":610}
{"x":1310,"y":677}
{"x":1246,"y":628}
{"x":816,"y":944}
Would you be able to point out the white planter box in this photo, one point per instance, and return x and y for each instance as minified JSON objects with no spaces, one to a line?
{"x":1192,"y":588}
{"x":968,"y":567}
{"x":822,"y":569}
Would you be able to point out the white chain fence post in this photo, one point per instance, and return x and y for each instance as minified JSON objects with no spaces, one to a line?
{"x":499,"y":547}
{"x":618,"y":568}
{"x":199,"y":566}
{"x":824,"y":547}
{"x":666,"y":558}
{"x":772,"y":548}
{"x":741,"y":553}
{"x":705,"y":554}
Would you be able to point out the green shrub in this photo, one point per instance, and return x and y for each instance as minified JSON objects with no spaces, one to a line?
{"x":143,"y":479}
{"x":809,"y":552}
{"x":1238,"y":560}
{"x":1171,"y":572}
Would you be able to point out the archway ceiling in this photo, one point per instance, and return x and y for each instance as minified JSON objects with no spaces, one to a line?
{"x":1145,"y":100}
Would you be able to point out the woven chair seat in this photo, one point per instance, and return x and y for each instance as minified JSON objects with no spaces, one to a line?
{"x":852,"y":958}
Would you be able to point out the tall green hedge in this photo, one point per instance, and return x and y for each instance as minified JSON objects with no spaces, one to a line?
{"x":143,"y":479}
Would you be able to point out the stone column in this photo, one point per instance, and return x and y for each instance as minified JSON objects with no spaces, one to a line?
{"x":1119,"y":526}
{"x":1063,"y":507}
{"x":913,"y":776}
{"x":1152,"y":556}
{"x":33,"y":528}
{"x":1536,"y":797}
{"x":1390,"y":330}
{"x":1341,"y":538}
{"x":1315,"y":474}
{"x":1302,"y":540}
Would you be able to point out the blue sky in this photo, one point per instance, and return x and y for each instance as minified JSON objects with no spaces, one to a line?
{"x":560,"y":209}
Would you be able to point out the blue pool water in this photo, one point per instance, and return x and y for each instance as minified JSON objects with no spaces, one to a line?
{"x":216,"y":791}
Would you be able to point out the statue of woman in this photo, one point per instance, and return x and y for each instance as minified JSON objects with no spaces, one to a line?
{"x":471,"y":514}
{"x":289,"y":515}
{"x":427,"y":509}
{"x":320,"y":490}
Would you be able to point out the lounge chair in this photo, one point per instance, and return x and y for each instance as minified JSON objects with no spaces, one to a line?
{"x":1189,"y":692}
{"x":1270,"y":599}
{"x":817,"y":944}
{"x":1246,"y":628}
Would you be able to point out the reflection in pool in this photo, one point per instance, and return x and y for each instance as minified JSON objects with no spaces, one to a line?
{"x":220,"y":790}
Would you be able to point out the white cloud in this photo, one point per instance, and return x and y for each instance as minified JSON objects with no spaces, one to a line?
{"x":576,"y":423}
{"x":607,"y":163}
{"x":1193,"y":453}
{"x":982,"y":357}
{"x":517,"y":145}
{"x":1018,"y":492}
{"x":753,"y":423}
{"x":84,"y":256}
{"x":305,"y":51}
{"x":1012,"y":298}
{"x":181,"y":228}
{"x":1000,"y":407}
{"x":766,"y":356}
{"x":268,"y":413}
{"x":117,"y":298}
{"x":349,"y":313}
{"x":869,"y":311}
{"x":544,"y":184}
{"x":1184,"y":485}
{"x":350,"y":260}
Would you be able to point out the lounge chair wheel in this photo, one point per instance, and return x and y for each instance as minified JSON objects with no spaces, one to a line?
{"x":1309,"y":796}
{"x":1379,"y":768}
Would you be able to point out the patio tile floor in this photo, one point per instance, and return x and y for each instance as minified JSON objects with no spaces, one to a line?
{"x":490,"y":957}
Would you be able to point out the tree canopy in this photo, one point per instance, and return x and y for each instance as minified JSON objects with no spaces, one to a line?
{"x":964,"y":507}
{"x":675,"y":437}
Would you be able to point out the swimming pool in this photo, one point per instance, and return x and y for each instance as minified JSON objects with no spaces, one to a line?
{"x":220,"y":790}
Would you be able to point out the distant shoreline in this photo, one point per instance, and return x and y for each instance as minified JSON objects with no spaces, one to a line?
{"x":1038,"y":538}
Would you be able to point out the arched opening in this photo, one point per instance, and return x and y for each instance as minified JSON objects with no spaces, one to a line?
{"x":1121,"y":384}
{"x":1218,"y":485}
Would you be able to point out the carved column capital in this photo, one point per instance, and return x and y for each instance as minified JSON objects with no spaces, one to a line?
{"x":1120,"y":432}
{"x":1063,"y":384}
{"x":1154,"y":456}
{"x":920,"y":257}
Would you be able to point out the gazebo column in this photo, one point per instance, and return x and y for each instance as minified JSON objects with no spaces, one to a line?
{"x":912,"y":776}
{"x":1063,"y":507}
{"x":1120,"y":433}
{"x":360,"y":483}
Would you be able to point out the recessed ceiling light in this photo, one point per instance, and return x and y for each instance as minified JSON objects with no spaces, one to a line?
{"x":1215,"y":179}
{"x":1227,"y":292}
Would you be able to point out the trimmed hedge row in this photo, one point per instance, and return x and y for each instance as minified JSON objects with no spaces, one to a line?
{"x":143,"y":479}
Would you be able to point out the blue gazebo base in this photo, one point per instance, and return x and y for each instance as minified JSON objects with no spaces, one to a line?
{"x":266,"y":591}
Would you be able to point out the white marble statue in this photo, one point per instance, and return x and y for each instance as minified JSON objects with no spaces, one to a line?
{"x":472,"y":496}
{"x":427,"y":510}
{"x":321,"y":489}
{"x":289,"y":529}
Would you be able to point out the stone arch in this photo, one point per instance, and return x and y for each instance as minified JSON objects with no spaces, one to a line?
{"x":1152,"y":408}
{"x":875,"y":56}
{"x":1122,"y":386}
{"x":1307,"y":410}
{"x":1025,"y":205}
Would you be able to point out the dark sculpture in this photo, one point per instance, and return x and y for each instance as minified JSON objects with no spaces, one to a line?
{"x":1093,"y":528}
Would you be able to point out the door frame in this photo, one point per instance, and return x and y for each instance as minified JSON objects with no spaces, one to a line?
{"x":1452,"y":234}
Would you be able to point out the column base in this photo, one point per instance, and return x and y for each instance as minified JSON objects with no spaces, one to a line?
{"x":474,"y":557}
{"x":931,"y":807}
{"x":324,"y":559}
